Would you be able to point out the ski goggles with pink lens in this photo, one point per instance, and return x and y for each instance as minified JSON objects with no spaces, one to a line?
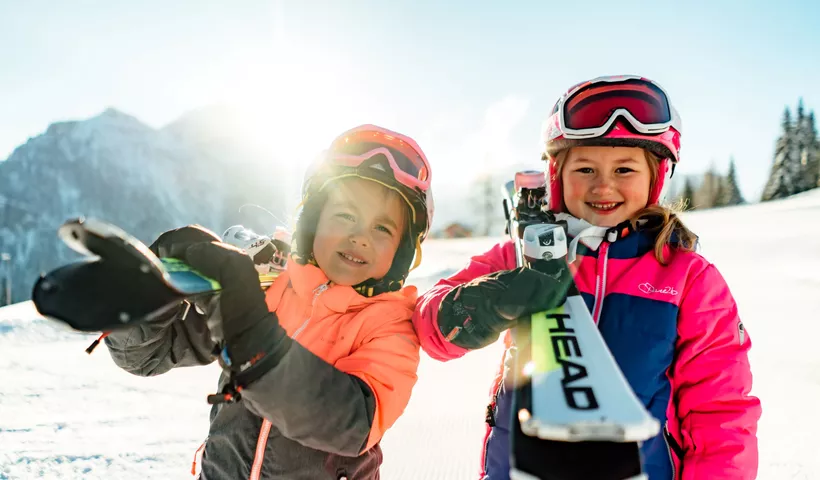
{"x":404,"y":157}
{"x":589,"y":109}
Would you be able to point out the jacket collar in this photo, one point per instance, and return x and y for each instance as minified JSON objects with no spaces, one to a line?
{"x":309,"y":283}
{"x":625,"y":241}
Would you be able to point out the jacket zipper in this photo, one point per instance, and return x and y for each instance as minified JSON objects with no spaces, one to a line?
{"x":489,"y":417}
{"x":316,"y":292}
{"x":600,"y":282}
{"x":259,"y":452}
{"x":672,"y":447}
{"x":264,"y":431}
{"x":490,"y":420}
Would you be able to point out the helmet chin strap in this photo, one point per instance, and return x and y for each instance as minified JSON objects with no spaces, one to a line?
{"x":395,"y":277}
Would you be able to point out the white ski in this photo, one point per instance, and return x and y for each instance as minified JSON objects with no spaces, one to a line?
{"x":574,"y":414}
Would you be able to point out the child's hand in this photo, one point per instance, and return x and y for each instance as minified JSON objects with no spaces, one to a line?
{"x":474,"y":314}
{"x":254,"y":340}
{"x":173,"y":242}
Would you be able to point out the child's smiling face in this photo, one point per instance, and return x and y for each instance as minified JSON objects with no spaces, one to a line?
{"x":359,"y":231}
{"x":605,"y":185}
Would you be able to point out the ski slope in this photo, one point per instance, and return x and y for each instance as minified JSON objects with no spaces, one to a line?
{"x":65,"y":414}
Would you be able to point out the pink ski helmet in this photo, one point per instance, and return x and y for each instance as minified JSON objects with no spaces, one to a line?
{"x":618,"y":111}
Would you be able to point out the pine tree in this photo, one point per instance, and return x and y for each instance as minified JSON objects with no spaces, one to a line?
{"x":709,"y":192}
{"x":804,"y":142}
{"x":813,"y":155}
{"x":785,"y":167}
{"x":801,"y":111}
{"x":688,"y":195}
{"x":730,"y":194}
{"x":719,"y":188}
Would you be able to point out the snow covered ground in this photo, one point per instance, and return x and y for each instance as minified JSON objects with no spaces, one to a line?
{"x":65,"y":414}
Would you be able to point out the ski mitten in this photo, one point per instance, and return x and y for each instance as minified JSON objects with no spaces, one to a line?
{"x":253,"y":341}
{"x":172,"y":242}
{"x":474,"y":314}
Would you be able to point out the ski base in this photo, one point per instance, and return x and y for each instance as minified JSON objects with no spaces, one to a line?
{"x":539,"y":459}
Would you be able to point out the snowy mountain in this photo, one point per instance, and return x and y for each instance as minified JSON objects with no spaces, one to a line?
{"x":115,"y":168}
{"x":66,"y":414}
{"x":199,"y":169}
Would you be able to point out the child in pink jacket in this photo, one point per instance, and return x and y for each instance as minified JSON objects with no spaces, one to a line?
{"x":667,"y":315}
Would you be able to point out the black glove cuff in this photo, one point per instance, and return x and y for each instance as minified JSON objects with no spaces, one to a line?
{"x":463,"y":323}
{"x":254,"y":352}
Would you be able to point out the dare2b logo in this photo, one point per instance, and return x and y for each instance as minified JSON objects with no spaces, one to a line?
{"x":647,"y":288}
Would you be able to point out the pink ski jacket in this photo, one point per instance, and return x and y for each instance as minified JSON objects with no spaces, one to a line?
{"x":674,"y":331}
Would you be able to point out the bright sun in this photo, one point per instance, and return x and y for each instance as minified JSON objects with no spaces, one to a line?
{"x":290,"y":105}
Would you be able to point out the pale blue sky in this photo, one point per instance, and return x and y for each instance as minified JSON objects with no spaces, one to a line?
{"x":472,"y":81}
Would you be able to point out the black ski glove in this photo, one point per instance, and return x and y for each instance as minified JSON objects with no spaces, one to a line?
{"x":254,"y":342}
{"x":173,"y":242}
{"x":474,"y":314}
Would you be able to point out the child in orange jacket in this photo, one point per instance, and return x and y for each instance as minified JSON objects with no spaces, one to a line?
{"x":323,"y":363}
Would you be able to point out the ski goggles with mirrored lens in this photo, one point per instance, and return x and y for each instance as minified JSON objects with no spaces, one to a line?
{"x":404,"y":157}
{"x":590,"y":109}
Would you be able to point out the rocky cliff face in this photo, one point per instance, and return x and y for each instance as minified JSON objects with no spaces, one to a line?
{"x":117,"y":169}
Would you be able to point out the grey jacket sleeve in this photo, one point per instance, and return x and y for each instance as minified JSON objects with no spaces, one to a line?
{"x":314,"y":403}
{"x":177,"y":339}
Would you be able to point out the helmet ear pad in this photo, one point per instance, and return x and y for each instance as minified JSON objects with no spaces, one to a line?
{"x":665,"y":171}
{"x":306,"y":224}
{"x":555,"y":193}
